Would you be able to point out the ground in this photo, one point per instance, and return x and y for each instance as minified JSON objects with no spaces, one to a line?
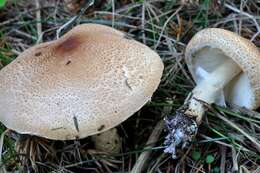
{"x":227,"y":140}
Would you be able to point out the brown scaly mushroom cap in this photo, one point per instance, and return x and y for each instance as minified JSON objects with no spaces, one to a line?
{"x":210,"y":48}
{"x":84,"y":83}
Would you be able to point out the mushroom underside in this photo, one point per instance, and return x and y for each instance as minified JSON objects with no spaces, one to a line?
{"x":238,"y":91}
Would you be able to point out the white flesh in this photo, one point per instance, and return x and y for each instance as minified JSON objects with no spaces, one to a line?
{"x":211,"y":87}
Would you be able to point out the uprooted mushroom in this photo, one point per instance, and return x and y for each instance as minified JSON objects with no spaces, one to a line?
{"x":226,"y":68}
{"x":85,"y":83}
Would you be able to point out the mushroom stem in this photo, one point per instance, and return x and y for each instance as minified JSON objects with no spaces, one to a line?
{"x":108,"y":141}
{"x":182,"y":127}
{"x":209,"y":90}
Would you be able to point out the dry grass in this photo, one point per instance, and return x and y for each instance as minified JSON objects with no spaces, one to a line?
{"x":231,"y":137}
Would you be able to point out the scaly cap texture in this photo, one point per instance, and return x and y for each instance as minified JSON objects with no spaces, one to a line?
{"x":84,"y":83}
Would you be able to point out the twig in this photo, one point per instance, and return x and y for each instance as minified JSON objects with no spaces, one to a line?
{"x":141,"y":161}
{"x":255,"y":35}
{"x":113,"y":13}
{"x":171,"y":48}
{"x":73,"y":19}
{"x":159,"y":162}
{"x":252,"y":139}
{"x":243,"y":13}
{"x":222,"y":143}
{"x":116,"y":14}
{"x":230,"y":18}
{"x":243,"y":169}
{"x":234,"y":159}
{"x":56,"y":12}
{"x":257,"y":170}
{"x":127,"y":7}
{"x":106,"y":22}
{"x":223,"y":159}
{"x":199,"y":169}
{"x":151,"y":12}
{"x":16,"y":52}
{"x":244,"y":110}
{"x":240,"y":21}
{"x":39,"y":23}
{"x":2,"y":169}
{"x":149,"y":22}
{"x":143,"y":22}
{"x":7,"y":22}
{"x":165,"y":24}
{"x":25,"y":34}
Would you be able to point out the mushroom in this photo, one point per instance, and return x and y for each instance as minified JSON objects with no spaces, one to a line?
{"x":226,"y":68}
{"x":85,"y":83}
{"x":108,"y":141}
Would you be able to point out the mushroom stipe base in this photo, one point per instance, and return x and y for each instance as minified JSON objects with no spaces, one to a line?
{"x":182,"y":128}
